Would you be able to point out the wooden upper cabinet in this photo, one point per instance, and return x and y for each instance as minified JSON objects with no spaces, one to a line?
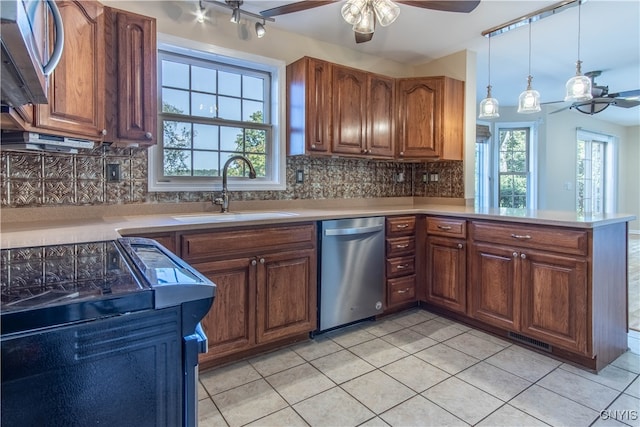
{"x":418,"y":101}
{"x":309,"y":107}
{"x":381,"y":109}
{"x":76,"y":87}
{"x":362,"y":113}
{"x":349,"y":88}
{"x":431,"y":118}
{"x":131,"y":101}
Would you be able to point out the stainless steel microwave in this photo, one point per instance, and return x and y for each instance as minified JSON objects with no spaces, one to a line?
{"x":26,"y":62}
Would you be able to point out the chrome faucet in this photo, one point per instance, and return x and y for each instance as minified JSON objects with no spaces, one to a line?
{"x":224,"y":200}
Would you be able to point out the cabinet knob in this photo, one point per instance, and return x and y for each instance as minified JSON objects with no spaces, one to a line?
{"x":402,"y":153}
{"x":261,"y":260}
{"x":253,"y":262}
{"x":459,"y":245}
{"x":148,"y":135}
{"x":313,"y":145}
{"x":515,"y":254}
{"x":103,"y":132}
{"x":523,"y":256}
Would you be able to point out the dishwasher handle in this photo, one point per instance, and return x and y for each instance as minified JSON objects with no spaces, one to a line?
{"x":352,"y":230}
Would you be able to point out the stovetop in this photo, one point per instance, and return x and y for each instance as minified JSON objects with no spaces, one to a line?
{"x":95,"y":277}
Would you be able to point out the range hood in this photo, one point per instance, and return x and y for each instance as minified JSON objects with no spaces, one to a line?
{"x":43,"y":142}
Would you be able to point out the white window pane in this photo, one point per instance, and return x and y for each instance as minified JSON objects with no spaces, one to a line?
{"x":203,"y":105}
{"x":231,"y":139}
{"x":229,"y":108}
{"x":203,"y":79}
{"x":205,"y":163}
{"x":175,"y":74}
{"x":253,"y":88}
{"x":175,"y":101}
{"x":177,"y":162}
{"x":205,"y":137}
{"x":252,"y":111}
{"x":229,"y":83}
{"x":176,"y":134}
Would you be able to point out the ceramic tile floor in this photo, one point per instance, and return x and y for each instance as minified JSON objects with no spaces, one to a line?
{"x":418,"y":369}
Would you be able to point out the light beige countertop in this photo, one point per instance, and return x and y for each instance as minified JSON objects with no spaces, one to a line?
{"x":23,"y":227}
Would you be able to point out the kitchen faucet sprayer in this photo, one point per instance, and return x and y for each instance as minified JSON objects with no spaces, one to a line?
{"x":224,"y":200}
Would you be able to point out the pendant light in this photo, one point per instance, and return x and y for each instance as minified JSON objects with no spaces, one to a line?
{"x":489,"y":106}
{"x":529,"y":100}
{"x":578,"y":86}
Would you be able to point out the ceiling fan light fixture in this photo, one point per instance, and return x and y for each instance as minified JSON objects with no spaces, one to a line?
{"x":578,"y":87}
{"x":352,"y":11}
{"x":386,"y":11}
{"x":260,"y":30}
{"x":200,"y":13}
{"x":368,"y":21}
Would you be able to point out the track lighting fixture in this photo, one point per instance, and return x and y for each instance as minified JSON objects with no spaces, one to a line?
{"x":236,"y":14}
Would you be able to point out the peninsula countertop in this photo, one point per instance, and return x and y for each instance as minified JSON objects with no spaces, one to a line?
{"x":49,"y":226}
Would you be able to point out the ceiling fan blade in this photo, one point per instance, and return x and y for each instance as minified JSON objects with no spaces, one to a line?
{"x":295,"y":7}
{"x":361,"y":38}
{"x":625,"y":103}
{"x":626,"y":94}
{"x":462,"y":6}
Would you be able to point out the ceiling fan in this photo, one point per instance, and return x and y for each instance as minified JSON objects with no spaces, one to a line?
{"x":363,"y":14}
{"x":602,"y":98}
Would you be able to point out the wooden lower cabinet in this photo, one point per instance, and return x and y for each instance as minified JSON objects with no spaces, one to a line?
{"x":446,"y":273}
{"x":266,"y":286}
{"x":541,"y":294}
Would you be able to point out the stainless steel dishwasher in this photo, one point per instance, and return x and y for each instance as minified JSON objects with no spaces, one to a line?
{"x":351,"y":270}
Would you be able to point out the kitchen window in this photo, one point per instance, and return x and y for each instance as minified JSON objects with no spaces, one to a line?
{"x":215,"y":103}
{"x":595,"y":180}
{"x":510,"y":155}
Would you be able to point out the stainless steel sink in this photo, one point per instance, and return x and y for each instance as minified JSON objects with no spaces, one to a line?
{"x":231,"y":216}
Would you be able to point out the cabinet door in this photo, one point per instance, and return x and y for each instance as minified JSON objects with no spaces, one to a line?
{"x":554,"y":299}
{"x":380,"y":123}
{"x":349,"y":110}
{"x":286,"y":295}
{"x":76,"y":87}
{"x":446,"y":273}
{"x":230,"y":323}
{"x":418,"y":100}
{"x":132,"y":108}
{"x":494,"y":290}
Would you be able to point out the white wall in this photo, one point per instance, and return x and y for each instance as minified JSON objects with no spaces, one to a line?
{"x":629,"y":176}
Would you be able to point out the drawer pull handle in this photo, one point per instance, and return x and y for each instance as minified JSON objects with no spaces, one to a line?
{"x":521,"y":236}
{"x":404,"y":291}
{"x":444,"y":227}
{"x":402,"y":266}
{"x":402,"y":225}
{"x":402,"y":246}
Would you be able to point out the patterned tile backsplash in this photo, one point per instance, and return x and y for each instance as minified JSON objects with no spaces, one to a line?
{"x":30,"y":179}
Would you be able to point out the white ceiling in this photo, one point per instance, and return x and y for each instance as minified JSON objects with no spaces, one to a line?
{"x":610,"y":42}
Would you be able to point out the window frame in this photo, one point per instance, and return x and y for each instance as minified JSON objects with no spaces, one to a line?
{"x":275,"y":178}
{"x":532,"y":166}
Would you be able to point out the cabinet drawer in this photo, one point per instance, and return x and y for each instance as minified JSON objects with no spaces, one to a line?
{"x":401,"y":289}
{"x":550,"y":238}
{"x":400,"y":246}
{"x":401,"y":266}
{"x":401,"y":225}
{"x":447,"y":227}
{"x":212,"y":244}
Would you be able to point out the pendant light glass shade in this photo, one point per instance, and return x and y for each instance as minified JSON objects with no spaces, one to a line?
{"x":579,"y":86}
{"x":489,"y":106}
{"x":367,"y":23}
{"x":352,"y":11}
{"x":529,"y":100}
{"x":386,"y":11}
